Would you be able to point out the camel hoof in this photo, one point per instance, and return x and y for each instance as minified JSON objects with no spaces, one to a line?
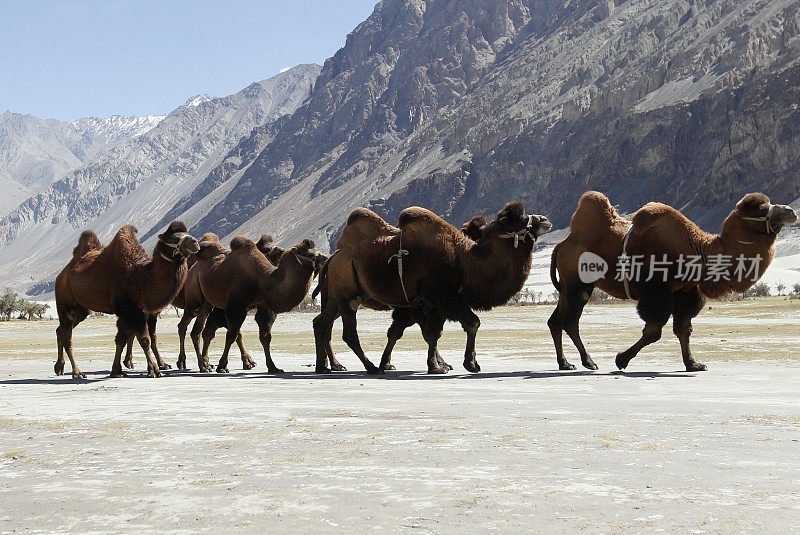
{"x":374,"y":371}
{"x":222,"y":370}
{"x":589,"y":364}
{"x":128,"y":364}
{"x":438,"y":371}
{"x":566,"y":366}
{"x":621,"y":361}
{"x":118,"y":375}
{"x":340,"y":368}
{"x":472,"y":366}
{"x":388,"y":367}
{"x":322,"y":370}
{"x":79,"y":375}
{"x":275,"y":370}
{"x":180,"y":365}
{"x":248,"y":365}
{"x":448,"y":366}
{"x":165,"y":367}
{"x":58,"y":369}
{"x":696,"y":367}
{"x":156,"y":373}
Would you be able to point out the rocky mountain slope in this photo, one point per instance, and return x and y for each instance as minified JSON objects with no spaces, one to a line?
{"x":460,"y":106}
{"x":138,"y":181}
{"x":34,"y":152}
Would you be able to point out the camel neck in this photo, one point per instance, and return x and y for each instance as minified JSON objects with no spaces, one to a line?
{"x":495,"y":270}
{"x":288,"y":284}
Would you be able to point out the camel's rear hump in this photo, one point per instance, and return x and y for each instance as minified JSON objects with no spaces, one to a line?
{"x":363,"y":225}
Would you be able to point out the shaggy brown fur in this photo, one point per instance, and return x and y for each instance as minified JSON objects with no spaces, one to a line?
{"x":245,"y":279}
{"x":445,"y":272}
{"x":121,"y":279}
{"x":403,"y":318}
{"x":658,"y":231}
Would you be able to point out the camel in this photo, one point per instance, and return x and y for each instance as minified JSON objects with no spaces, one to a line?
{"x":216,"y":318}
{"x":120,"y":279}
{"x":245,"y":279}
{"x":660,"y":242}
{"x":427,"y":265}
{"x":403,"y":318}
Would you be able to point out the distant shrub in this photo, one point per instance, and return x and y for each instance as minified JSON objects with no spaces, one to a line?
{"x":759,"y":289}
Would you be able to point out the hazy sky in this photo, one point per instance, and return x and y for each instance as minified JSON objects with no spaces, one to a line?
{"x":69,"y":59}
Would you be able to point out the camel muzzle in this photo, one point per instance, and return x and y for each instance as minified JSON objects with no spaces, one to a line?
{"x":188,"y":245}
{"x":781,"y":215}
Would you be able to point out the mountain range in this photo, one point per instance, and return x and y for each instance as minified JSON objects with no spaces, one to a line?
{"x":460,"y":106}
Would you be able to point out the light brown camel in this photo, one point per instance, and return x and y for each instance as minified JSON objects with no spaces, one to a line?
{"x":120,"y":279}
{"x":444,"y":273}
{"x":662,"y":246}
{"x":245,"y":279}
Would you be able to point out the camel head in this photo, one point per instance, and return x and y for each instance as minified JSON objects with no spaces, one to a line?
{"x":514,"y":224}
{"x":265,"y":243}
{"x":473,"y":228}
{"x":177,"y":239}
{"x":755,"y":216}
{"x":307,"y":255}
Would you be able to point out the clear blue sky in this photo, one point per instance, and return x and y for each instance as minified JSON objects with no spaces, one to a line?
{"x":69,"y":59}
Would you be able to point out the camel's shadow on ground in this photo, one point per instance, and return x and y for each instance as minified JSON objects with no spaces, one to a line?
{"x":395,"y":375}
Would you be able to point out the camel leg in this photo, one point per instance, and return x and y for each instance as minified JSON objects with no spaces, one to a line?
{"x":197,"y":329}
{"x":67,"y":323}
{"x":401,"y":320}
{"x":121,"y":340}
{"x":350,"y":337}
{"x":265,"y":318}
{"x":570,"y":317}
{"x":234,"y":317}
{"x":654,"y":307}
{"x":217,"y":319}
{"x":470,"y":323}
{"x":336,"y":366}
{"x":431,"y":332}
{"x":135,"y":321}
{"x":129,"y":353}
{"x":687,"y":305}
{"x":323,"y":325}
{"x":420,"y":316}
{"x":152,"y":320}
{"x":183,"y":325}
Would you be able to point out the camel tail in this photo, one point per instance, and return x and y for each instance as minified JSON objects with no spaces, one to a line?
{"x":321,"y":278}
{"x":554,"y":269}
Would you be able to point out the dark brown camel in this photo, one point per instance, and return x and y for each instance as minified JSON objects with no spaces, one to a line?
{"x":245,"y":279}
{"x":120,"y":279}
{"x":403,"y":318}
{"x":445,"y":273}
{"x":216,"y":318}
{"x":658,"y":238}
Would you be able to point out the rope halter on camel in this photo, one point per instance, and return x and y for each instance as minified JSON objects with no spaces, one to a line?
{"x":522,"y":233}
{"x":767,"y":224}
{"x":310,"y":259}
{"x":176,"y":249}
{"x":399,"y":256}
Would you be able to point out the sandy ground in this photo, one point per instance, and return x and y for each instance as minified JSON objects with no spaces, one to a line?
{"x":518,"y":447}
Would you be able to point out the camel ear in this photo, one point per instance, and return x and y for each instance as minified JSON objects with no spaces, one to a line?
{"x":307,"y":244}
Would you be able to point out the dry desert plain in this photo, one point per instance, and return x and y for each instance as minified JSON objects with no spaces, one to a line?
{"x":518,"y":447}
